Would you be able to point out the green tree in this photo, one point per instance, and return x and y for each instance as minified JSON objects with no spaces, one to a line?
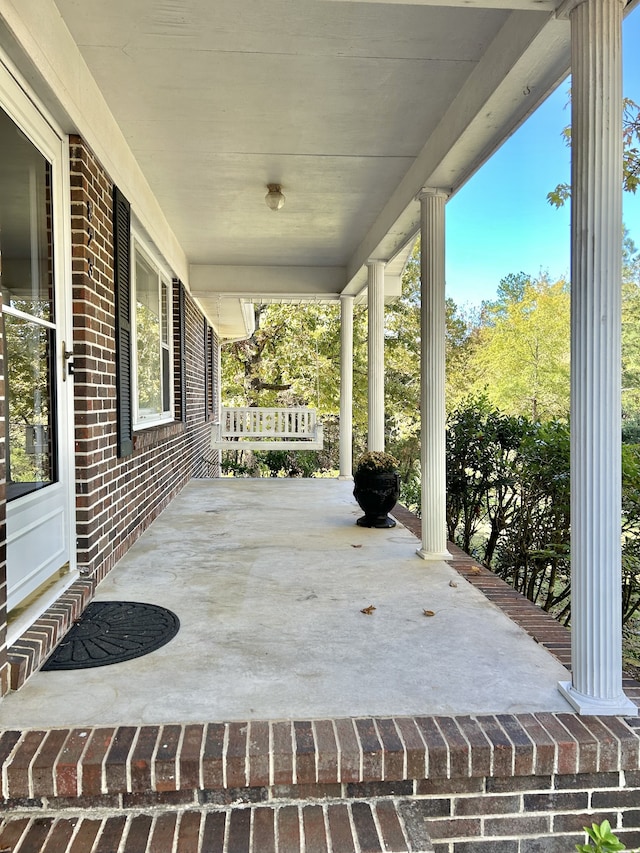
{"x":481,"y":446}
{"x":402,"y":365}
{"x":630,"y":337}
{"x":292,"y":358}
{"x":402,"y":370}
{"x":533,"y":550}
{"x":521,"y":353}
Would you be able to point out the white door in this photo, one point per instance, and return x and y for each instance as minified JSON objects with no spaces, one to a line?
{"x":34,"y":281}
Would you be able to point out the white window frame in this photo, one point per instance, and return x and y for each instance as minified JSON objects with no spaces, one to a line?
{"x":164,"y":277}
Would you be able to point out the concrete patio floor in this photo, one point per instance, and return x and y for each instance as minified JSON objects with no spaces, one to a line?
{"x":268,"y":578}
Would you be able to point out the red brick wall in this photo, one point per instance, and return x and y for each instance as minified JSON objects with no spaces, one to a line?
{"x":116,"y":499}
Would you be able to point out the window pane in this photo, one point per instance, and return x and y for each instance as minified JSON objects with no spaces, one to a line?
{"x":30,"y":457}
{"x":26,"y":245}
{"x":166,"y":385}
{"x":165,"y":313}
{"x":148,"y":319}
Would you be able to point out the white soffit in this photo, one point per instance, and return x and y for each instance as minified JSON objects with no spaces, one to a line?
{"x":332,"y":100}
{"x":232,"y":318}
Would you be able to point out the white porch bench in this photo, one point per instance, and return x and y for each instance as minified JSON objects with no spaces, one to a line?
{"x":249,"y":428}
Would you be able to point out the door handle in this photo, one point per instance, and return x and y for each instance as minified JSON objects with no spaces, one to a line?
{"x":67,"y":366}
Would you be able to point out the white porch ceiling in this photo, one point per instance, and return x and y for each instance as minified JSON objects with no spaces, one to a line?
{"x":351,"y":106}
{"x":332,"y":100}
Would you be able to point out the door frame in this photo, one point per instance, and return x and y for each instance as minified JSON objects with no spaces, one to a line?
{"x":22,"y":106}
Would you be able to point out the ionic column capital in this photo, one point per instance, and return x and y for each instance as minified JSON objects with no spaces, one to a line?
{"x":432,"y":192}
{"x":564,"y":10}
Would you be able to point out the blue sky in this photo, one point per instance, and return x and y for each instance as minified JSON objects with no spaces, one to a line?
{"x":500,"y":222}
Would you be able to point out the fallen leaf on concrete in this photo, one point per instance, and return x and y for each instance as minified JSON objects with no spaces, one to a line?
{"x":452,"y":583}
{"x":356,"y":546}
{"x":368,"y":610}
{"x":428,"y":613}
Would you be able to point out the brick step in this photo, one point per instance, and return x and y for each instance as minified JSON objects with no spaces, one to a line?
{"x":336,"y":759}
{"x":331,"y":827}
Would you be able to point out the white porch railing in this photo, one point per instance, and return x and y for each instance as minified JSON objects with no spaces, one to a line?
{"x":267,"y":429}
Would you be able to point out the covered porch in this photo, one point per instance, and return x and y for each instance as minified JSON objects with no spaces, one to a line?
{"x":284,"y":717}
{"x":366,"y":117}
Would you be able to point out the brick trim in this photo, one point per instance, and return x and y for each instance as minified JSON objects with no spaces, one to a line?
{"x":28,"y":654}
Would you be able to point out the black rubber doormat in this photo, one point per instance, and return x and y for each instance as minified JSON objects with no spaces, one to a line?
{"x":111,"y":632}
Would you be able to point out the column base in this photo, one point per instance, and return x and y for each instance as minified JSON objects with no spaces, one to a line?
{"x":621,"y":706}
{"x":345,"y":477}
{"x":433,"y":555}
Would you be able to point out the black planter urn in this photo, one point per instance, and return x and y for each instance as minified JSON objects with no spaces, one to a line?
{"x":377,"y":495}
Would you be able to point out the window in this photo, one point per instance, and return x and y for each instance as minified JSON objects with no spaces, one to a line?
{"x":152,"y":344}
{"x":28,"y":321}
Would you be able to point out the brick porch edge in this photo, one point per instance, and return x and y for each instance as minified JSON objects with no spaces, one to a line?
{"x":469,"y":782}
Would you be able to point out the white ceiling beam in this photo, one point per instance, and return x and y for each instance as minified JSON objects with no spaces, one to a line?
{"x":516,"y":5}
{"x":528,"y":57}
{"x":253,"y":282}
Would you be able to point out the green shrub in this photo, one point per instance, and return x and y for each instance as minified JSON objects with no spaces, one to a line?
{"x":602,"y":839}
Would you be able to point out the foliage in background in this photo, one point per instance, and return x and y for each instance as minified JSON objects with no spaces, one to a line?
{"x":508,"y":504}
{"x":289,"y":360}
{"x":482,"y":448}
{"x":521,"y":354}
{"x":533,"y":552}
{"x":630,"y":155}
{"x":630,"y":336}
{"x":402,"y":367}
{"x":402,"y":370}
{"x":293,"y":359}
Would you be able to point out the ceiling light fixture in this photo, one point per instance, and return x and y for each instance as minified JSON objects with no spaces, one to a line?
{"x":275,"y":197}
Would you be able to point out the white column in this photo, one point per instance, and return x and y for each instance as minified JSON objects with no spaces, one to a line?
{"x":596,"y":237}
{"x":375,"y":352}
{"x":346,"y":387}
{"x":432,"y":375}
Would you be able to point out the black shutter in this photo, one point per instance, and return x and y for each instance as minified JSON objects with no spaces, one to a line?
{"x":215,"y":379}
{"x":122,"y":280}
{"x":182,"y":333}
{"x":206,"y":370}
